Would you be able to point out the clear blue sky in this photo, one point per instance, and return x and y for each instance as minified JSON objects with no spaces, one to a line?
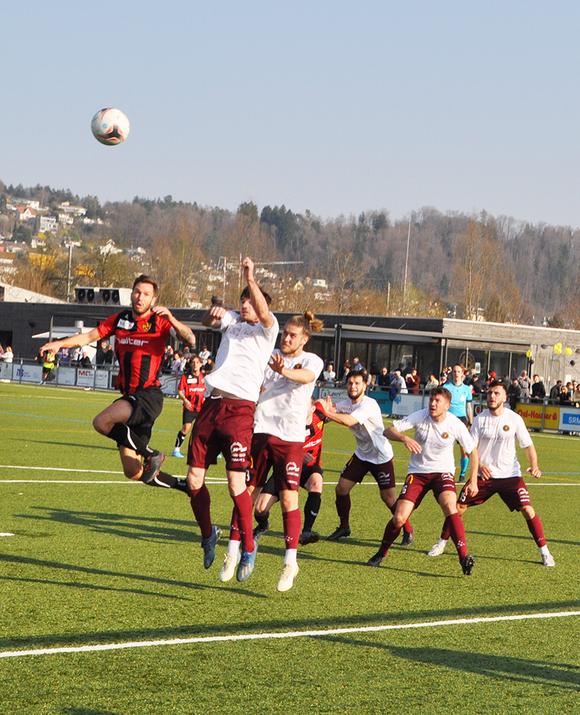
{"x":337,"y":106}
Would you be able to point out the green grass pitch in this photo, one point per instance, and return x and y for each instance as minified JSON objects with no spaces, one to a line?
{"x":115,"y":562}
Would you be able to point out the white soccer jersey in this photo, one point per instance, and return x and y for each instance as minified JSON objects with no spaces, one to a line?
{"x":495,"y":437}
{"x":436,"y":439}
{"x":371,"y":444}
{"x":242,"y":356}
{"x":284,"y":405}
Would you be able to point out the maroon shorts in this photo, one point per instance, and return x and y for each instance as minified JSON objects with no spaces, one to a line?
{"x":284,"y":458}
{"x":513,"y":492}
{"x":356,"y":469}
{"x":224,"y":425}
{"x":417,"y":485}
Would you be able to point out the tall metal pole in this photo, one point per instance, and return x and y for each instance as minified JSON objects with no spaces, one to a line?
{"x":406,"y":264}
{"x":68,"y":280}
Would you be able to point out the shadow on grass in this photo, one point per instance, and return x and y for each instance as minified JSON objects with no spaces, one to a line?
{"x":108,"y":447}
{"x":530,"y":672}
{"x":129,"y":526}
{"x":525,"y":537}
{"x":143,"y":578}
{"x":283,"y":625}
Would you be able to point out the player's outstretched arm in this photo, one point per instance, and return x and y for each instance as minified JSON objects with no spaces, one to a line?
{"x":256,"y":296}
{"x":410,"y":444}
{"x":532,"y":456}
{"x":183,"y":332}
{"x":73,"y":341}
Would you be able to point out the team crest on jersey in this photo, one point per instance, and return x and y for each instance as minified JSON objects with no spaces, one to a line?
{"x":145,"y":327}
{"x":506,"y":428}
{"x":445,"y":435}
{"x":298,"y":366}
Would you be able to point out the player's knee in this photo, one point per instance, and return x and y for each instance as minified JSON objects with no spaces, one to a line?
{"x":101,"y":425}
{"x":399,"y":520}
{"x":315,"y":483}
{"x":528,"y":512}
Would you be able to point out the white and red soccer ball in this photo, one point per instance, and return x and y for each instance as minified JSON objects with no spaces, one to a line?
{"x":110,"y":126}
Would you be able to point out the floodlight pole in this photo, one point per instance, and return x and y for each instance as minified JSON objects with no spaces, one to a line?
{"x":68,"y":279}
{"x":406,"y":263}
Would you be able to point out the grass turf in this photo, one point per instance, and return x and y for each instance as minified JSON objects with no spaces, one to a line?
{"x":116,"y":562}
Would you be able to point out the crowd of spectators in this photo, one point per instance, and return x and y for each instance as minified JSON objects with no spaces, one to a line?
{"x":405,"y":380}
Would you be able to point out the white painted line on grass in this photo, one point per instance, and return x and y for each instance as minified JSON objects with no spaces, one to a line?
{"x":279,"y":635}
{"x":214,"y":480}
{"x":6,"y":533}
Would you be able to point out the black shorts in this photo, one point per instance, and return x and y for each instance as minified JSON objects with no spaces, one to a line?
{"x":147,"y":404}
{"x":307,"y":471}
{"x":188,"y":416}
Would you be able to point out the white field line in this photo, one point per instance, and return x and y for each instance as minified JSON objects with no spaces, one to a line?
{"x":213,"y":481}
{"x":282,"y":635}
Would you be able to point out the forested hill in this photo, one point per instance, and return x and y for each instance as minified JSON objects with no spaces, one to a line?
{"x":498,"y":268}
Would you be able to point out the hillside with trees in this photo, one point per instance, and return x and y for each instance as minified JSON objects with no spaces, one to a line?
{"x":474,"y":267}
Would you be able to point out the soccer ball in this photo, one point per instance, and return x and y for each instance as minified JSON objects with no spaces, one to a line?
{"x":110,"y":126}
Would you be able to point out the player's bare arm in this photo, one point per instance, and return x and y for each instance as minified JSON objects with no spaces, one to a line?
{"x":469,"y":413}
{"x":410,"y":444}
{"x":186,"y":403}
{"x":182,"y":331}
{"x":300,"y":375}
{"x":256,"y":297}
{"x":74,"y":341}
{"x":532,"y":456}
{"x":471,"y":487}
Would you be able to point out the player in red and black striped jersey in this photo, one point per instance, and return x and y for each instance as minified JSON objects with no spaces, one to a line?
{"x":141,"y":334}
{"x":191,"y":390}
{"x":310,"y":479}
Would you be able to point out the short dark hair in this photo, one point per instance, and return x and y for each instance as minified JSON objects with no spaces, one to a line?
{"x":498,"y":383}
{"x":358,"y":373}
{"x":245,"y":294}
{"x":146,"y":279}
{"x":443,"y":391}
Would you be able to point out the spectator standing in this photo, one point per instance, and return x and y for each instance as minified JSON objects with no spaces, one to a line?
{"x":514,"y":393}
{"x":329,"y":375}
{"x":8,"y":355}
{"x":204,"y":354}
{"x":413,"y":381}
{"x":525,"y":385}
{"x":538,"y":389}
{"x":431,"y":383}
{"x":555,"y":392}
{"x":383,"y":378}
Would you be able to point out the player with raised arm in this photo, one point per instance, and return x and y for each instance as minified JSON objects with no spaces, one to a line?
{"x":191,"y":390}
{"x":141,"y":335}
{"x":461,"y":406}
{"x":311,"y":479}
{"x":432,"y":468}
{"x":226,"y":421}
{"x":278,"y":439}
{"x":362,"y":415}
{"x":495,"y":431}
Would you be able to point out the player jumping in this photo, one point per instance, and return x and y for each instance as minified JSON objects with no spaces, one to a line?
{"x":141,"y":335}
